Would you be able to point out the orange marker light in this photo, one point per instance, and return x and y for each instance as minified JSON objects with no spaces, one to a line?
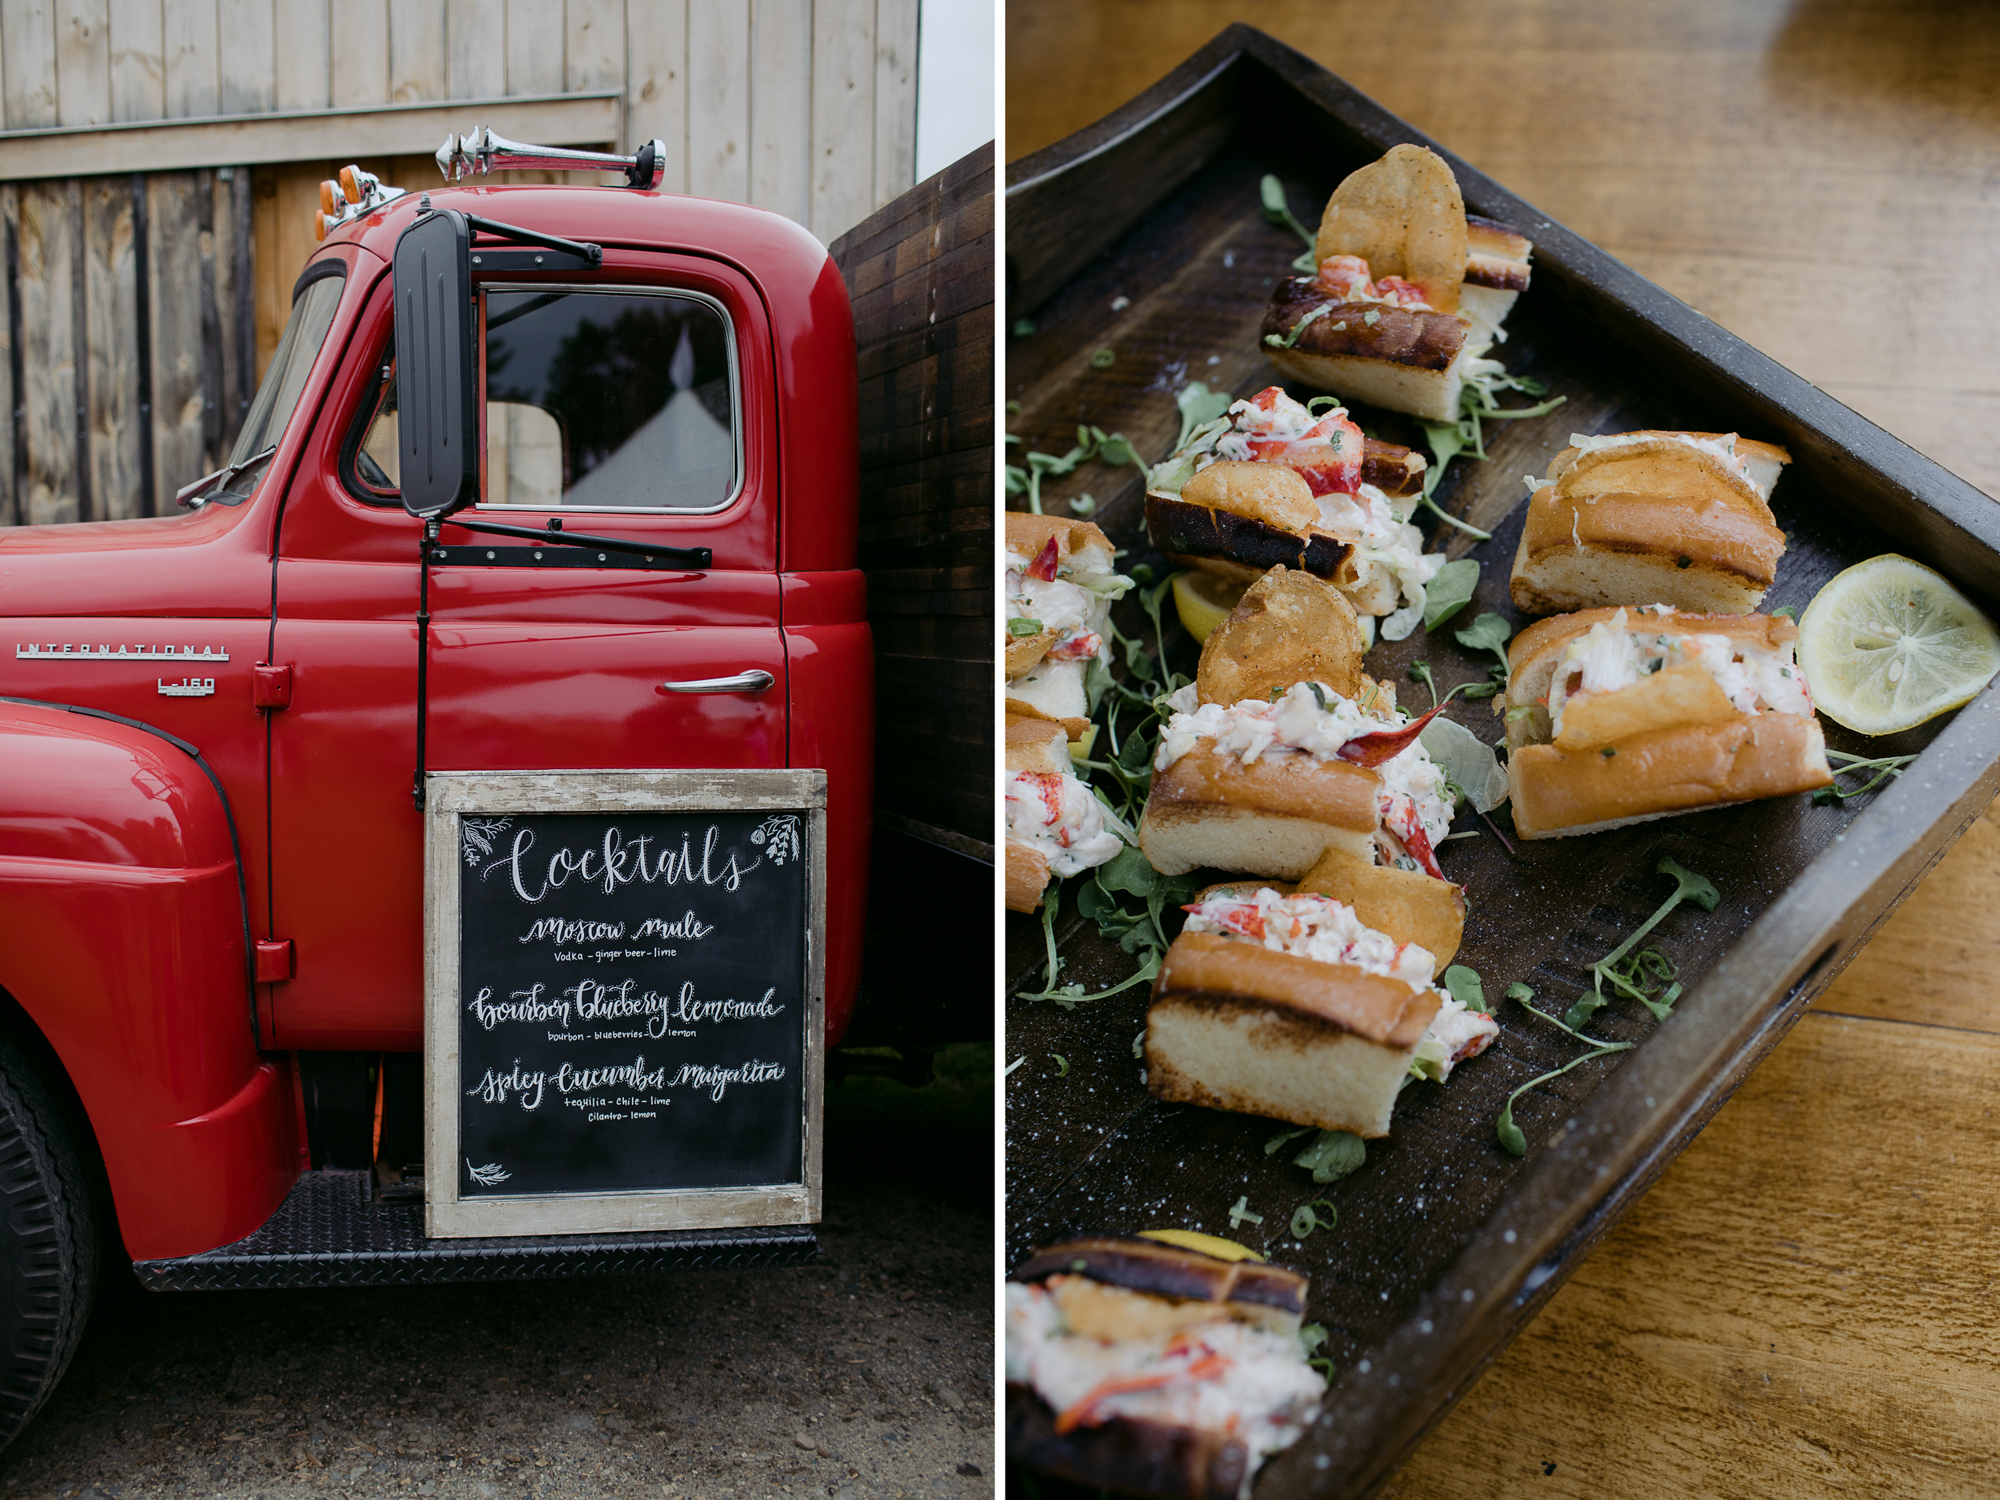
{"x":329,"y":194}
{"x":319,"y":226}
{"x":350,"y":183}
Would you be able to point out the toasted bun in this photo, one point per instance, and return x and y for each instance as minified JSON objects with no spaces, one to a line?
{"x":1027,"y":874}
{"x":1664,"y":772}
{"x":1184,"y":529}
{"x":1289,"y":627}
{"x":1028,"y":534}
{"x":1036,"y":745}
{"x":1128,"y":1455}
{"x":1392,"y":468}
{"x":1577,"y":553}
{"x":1764,"y":460}
{"x":1052,"y":690}
{"x":1236,"y":1026}
{"x":1409,"y":905}
{"x":1402,"y":361}
{"x":1275,"y":817}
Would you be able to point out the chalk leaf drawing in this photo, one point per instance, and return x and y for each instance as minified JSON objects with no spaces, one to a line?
{"x":478,"y":835}
{"x":490,"y":1175}
{"x":779,"y":834}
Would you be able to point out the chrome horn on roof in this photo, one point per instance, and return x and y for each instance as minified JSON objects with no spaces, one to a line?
{"x":482,"y":151}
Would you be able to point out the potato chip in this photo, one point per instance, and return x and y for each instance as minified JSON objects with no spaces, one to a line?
{"x":1270,"y":493}
{"x":1290,"y":627}
{"x":1677,"y":698}
{"x":1405,"y":216}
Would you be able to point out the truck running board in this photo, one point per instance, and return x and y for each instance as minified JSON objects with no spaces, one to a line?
{"x":330,"y":1232}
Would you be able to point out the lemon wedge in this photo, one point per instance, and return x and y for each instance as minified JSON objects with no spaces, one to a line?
{"x":1889,"y":644}
{"x":1206,"y":1244}
{"x":1203,"y":601}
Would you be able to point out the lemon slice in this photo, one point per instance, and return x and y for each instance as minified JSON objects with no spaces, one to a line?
{"x":1889,"y":644}
{"x":1205,"y":1244}
{"x":1203,"y":601}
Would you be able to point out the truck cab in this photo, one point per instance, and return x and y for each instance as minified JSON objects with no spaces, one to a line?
{"x":214,"y":725}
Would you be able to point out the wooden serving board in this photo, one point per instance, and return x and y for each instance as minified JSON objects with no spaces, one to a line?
{"x":1445,"y":1243}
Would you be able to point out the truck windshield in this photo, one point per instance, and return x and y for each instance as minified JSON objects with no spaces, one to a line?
{"x":298,"y":347}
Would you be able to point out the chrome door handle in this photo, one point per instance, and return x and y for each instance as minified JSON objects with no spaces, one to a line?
{"x":753,"y":681}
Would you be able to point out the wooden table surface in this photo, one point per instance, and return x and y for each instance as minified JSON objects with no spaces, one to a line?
{"x":1805,"y":1304}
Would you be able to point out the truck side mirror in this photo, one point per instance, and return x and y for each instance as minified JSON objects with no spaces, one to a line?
{"x":435,"y":385}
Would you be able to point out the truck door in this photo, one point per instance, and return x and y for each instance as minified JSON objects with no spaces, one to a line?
{"x":635,"y":405}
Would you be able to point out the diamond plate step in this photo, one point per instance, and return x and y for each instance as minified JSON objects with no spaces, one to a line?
{"x":330,"y":1232}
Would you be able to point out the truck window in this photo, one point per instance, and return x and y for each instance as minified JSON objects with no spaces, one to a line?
{"x":621,"y":399}
{"x":291,"y":362}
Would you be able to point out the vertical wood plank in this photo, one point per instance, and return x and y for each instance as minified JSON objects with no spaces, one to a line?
{"x":895,"y":99}
{"x":83,"y":62}
{"x":193,"y":77}
{"x":534,"y":31}
{"x":174,"y":239}
{"x":243,"y":305}
{"x":10,"y":366}
{"x":656,"y":91}
{"x":112,"y":322}
{"x":47,"y":278}
{"x":843,"y":115}
{"x":781,"y":107}
{"x":594,"y":43}
{"x":247,"y":36}
{"x":718,"y":129}
{"x":475,"y":35}
{"x":142,"y":343}
{"x":211,"y":319}
{"x":269,"y":293}
{"x":416,"y":51}
{"x":138,"y":61}
{"x":303,"y":50}
{"x":79,"y":345}
{"x":28,"y":62}
{"x":359,"y":48}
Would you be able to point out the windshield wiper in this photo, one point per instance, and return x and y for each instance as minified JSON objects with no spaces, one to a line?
{"x":190,"y":494}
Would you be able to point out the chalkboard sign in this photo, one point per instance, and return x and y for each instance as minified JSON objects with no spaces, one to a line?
{"x":625,"y":1019}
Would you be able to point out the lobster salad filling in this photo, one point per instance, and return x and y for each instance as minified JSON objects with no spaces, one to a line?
{"x":1204,"y":1370}
{"x":1311,"y":719}
{"x":1062,"y":819}
{"x":1618,"y":652}
{"x":1326,"y":451}
{"x":1070,"y":597}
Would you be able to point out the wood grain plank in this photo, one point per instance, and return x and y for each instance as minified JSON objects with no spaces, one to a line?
{"x":780,"y":126}
{"x":718,"y":123}
{"x":358,"y":46}
{"x":304,"y":52}
{"x":48,"y":344}
{"x":83,"y":62}
{"x":247,"y":32}
{"x":534,"y":46}
{"x":1844,"y":1353}
{"x":28,"y":62}
{"x":116,"y":428}
{"x":174,"y":242}
{"x":416,"y":51}
{"x":656,"y":85}
{"x":10,"y":513}
{"x":138,"y":61}
{"x":594,"y":44}
{"x":843,"y":115}
{"x":475,"y":33}
{"x":895,"y":131}
{"x":193,"y":65}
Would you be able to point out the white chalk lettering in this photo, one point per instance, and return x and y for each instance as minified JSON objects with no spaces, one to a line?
{"x":495,"y":1088}
{"x":561,"y":930}
{"x":618,"y":862}
{"x":717,"y":1080}
{"x":522,"y":1005}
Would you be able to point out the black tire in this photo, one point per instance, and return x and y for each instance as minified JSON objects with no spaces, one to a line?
{"x":48,"y":1240}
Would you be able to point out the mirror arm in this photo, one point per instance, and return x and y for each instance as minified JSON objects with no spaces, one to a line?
{"x":591,"y":253}
{"x":694,"y":557}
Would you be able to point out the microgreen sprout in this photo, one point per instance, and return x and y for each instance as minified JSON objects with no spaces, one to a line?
{"x":1062,"y":1064}
{"x":1886,"y":768}
{"x":1279,"y":211}
{"x":1239,"y":1213}
{"x":1025,"y":478}
{"x":1306,"y":1218}
{"x":1488,"y":633}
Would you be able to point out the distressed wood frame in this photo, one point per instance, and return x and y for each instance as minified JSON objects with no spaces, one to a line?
{"x":450,"y":795}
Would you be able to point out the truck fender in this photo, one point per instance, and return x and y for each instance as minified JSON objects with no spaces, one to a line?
{"x":124,"y":937}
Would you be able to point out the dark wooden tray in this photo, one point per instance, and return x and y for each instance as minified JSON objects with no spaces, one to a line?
{"x":1446,"y":1245}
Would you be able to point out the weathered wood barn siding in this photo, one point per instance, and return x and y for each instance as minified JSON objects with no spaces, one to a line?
{"x":142,"y":303}
{"x":921,"y":275}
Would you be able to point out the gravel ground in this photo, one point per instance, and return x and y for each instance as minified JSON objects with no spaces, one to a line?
{"x":867,"y":1375}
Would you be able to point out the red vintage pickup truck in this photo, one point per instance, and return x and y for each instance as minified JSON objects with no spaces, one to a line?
{"x":211,"y":904}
